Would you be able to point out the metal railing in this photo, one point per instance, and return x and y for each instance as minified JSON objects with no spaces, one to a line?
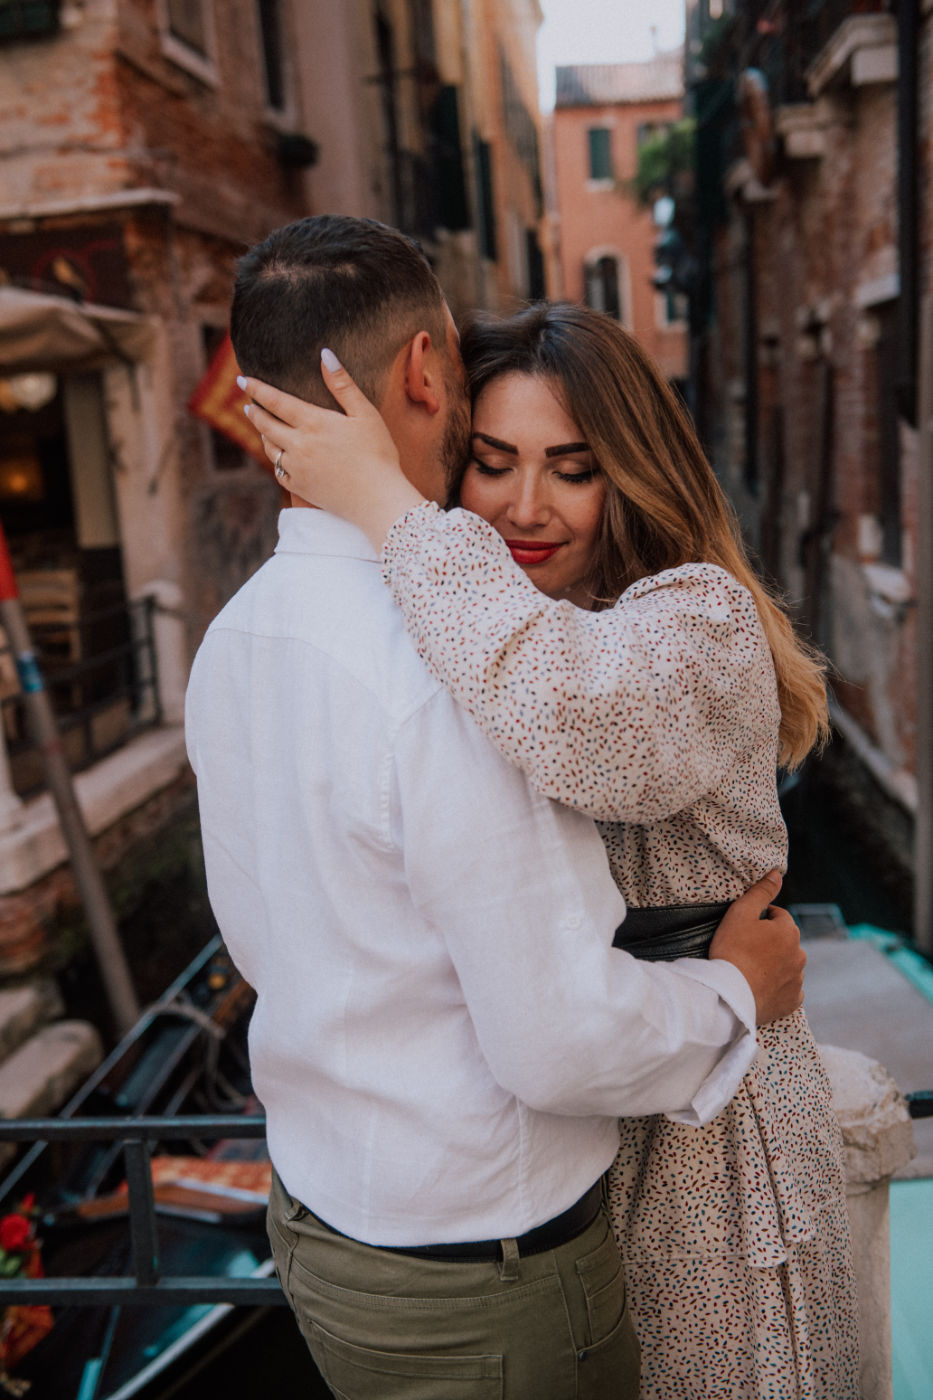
{"x":102,"y":696}
{"x":146,"y":1285}
{"x":784,"y":41}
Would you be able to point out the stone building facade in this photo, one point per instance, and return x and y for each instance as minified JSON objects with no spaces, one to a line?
{"x":814,"y":251}
{"x":144,"y":145}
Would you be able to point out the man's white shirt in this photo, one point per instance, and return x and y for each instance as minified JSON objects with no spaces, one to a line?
{"x":443,"y":1035}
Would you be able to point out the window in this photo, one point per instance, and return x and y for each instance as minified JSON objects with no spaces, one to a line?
{"x":888,"y":461}
{"x":448,"y":174}
{"x":520,"y":128}
{"x":601,"y":285}
{"x":273,"y":53}
{"x":188,"y":36}
{"x":537,"y":287}
{"x":187,"y":22}
{"x":649,"y":131}
{"x":482,"y":156}
{"x":600,"y":153}
{"x":671,"y":308}
{"x":28,"y":19}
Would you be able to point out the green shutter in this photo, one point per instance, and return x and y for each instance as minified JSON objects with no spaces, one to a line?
{"x":600,"y":153}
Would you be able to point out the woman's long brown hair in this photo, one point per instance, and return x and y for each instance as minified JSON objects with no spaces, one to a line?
{"x":664,"y":506}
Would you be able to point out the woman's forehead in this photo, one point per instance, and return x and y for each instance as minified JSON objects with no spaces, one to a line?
{"x":529,"y":400}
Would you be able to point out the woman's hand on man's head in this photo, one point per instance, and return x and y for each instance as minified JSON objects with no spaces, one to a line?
{"x":346,"y":463}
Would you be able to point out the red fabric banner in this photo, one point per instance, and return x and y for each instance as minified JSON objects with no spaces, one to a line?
{"x":220,"y":403}
{"x":8,"y":588}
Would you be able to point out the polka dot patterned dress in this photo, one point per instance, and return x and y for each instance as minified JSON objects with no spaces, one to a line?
{"x":659,"y":718}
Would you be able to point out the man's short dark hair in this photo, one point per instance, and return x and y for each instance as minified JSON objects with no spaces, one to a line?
{"x":355,"y":285}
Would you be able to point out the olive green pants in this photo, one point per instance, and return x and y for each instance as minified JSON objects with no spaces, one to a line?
{"x":387,"y":1326}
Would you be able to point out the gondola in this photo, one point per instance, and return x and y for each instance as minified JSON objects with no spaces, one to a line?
{"x":185,"y":1056}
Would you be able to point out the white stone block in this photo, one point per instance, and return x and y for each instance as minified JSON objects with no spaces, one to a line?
{"x":23,"y":1010}
{"x":878,"y":1138}
{"x":42,"y":1074}
{"x":873,"y":1115}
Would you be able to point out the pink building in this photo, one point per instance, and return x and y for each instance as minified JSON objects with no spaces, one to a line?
{"x":602,"y":114}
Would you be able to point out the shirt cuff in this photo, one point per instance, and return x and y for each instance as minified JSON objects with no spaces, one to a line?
{"x":720,"y":1085}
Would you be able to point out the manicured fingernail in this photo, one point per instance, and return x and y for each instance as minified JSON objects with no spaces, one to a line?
{"x":329,"y":361}
{"x":241,"y":381}
{"x":246,"y":409}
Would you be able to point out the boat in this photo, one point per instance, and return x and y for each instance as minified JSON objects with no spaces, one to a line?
{"x":185,"y":1056}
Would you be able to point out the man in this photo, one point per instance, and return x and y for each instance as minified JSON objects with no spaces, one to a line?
{"x":443,"y":1036}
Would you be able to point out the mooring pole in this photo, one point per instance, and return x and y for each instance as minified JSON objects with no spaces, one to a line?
{"x":108,"y":950}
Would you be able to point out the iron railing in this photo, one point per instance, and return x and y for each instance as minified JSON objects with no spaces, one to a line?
{"x":104,"y":692}
{"x":782,"y":40}
{"x":146,"y":1285}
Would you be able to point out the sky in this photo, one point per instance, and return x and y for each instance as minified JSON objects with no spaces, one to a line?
{"x":603,"y":31}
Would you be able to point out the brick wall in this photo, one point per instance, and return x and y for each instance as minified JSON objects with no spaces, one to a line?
{"x":823,"y":244}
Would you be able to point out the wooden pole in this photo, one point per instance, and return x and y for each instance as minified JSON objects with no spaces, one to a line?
{"x":111,"y":959}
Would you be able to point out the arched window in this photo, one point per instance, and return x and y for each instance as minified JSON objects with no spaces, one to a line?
{"x":604,"y":274}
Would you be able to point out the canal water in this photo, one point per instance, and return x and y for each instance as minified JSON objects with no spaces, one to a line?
{"x":848,"y":845}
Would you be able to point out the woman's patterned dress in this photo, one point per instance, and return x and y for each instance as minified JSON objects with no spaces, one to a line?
{"x":659,"y":718}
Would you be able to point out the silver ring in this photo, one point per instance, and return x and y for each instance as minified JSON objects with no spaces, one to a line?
{"x":279,"y":470}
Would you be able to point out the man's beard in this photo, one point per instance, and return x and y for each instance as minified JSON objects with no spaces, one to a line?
{"x":455,"y":444}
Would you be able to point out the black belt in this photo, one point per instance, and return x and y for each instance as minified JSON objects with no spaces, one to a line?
{"x":669,"y":931}
{"x":553,"y":1233}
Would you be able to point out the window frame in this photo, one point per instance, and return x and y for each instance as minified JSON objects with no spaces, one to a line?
{"x":183,"y":54}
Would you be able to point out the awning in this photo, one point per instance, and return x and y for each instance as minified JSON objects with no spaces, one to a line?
{"x":39,"y":332}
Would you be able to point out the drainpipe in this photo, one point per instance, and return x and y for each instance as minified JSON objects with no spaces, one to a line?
{"x":908,"y":42}
{"x":923,"y":831}
{"x":912,"y":346}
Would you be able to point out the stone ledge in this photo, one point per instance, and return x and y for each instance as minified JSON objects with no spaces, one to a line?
{"x":863,"y":50}
{"x":23,"y":1010}
{"x":43,"y":1074}
{"x":105,"y":793}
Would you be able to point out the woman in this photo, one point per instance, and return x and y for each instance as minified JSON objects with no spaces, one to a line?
{"x":649,"y":680}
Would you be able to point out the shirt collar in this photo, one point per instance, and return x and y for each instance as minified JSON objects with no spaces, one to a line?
{"x":304,"y":531}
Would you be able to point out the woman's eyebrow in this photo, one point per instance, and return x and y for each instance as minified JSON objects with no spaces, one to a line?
{"x":563,"y":449}
{"x":496,"y":442}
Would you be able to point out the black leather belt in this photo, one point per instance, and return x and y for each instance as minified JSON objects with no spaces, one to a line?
{"x":553,"y":1233}
{"x":670,"y":931}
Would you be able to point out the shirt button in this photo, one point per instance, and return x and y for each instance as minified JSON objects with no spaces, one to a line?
{"x":573,"y":921}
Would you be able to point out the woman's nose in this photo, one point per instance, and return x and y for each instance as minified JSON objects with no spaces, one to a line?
{"x":529,"y":504}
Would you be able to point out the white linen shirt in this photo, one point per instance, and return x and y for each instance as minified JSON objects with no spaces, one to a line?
{"x":443,"y":1035}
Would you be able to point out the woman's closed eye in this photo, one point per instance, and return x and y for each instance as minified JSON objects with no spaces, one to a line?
{"x":577,"y":478}
{"x":490,"y":468}
{"x":581,"y":477}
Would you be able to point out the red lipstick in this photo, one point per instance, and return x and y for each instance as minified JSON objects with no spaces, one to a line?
{"x":527,"y":552}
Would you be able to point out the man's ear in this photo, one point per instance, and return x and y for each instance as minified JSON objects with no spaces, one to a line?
{"x":422,"y":378}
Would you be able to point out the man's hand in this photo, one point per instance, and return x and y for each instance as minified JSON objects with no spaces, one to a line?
{"x":763,"y":942}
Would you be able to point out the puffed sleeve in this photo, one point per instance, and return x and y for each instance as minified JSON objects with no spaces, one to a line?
{"x":631,"y":714}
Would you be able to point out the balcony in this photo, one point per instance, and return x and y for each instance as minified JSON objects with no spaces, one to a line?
{"x":98,"y":661}
{"x":784,"y":40}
